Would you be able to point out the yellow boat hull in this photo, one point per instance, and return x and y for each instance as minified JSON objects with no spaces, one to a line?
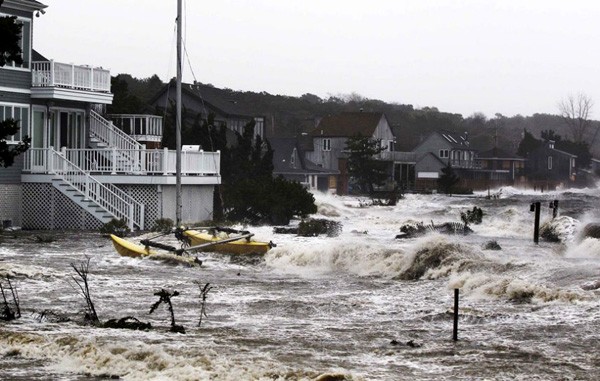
{"x":129,"y":249}
{"x":242,"y":246}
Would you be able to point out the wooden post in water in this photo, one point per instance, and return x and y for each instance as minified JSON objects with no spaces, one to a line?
{"x":455,"y":330}
{"x":535,"y":207}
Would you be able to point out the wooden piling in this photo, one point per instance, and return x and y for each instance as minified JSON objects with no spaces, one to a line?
{"x":455,"y":330}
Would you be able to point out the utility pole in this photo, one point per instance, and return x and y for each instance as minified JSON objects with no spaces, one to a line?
{"x":178,"y":120}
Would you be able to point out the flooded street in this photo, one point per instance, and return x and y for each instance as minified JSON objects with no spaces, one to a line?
{"x":360,"y":306}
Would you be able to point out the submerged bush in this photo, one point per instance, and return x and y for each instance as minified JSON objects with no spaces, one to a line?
{"x":472,"y":216}
{"x":314,"y":227}
{"x":116,"y":227}
{"x":163,"y":225}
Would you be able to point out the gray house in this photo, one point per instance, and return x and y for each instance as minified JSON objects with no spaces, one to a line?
{"x":290,"y":163}
{"x":81,"y":171}
{"x":328,"y":149}
{"x":440,"y":149}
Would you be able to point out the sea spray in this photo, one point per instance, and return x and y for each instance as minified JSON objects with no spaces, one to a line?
{"x":334,"y":256}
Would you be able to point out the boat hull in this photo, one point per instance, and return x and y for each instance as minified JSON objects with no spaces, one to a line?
{"x":242,"y":246}
{"x":129,"y":249}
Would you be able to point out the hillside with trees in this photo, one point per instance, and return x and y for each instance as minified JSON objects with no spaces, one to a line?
{"x":289,"y":116}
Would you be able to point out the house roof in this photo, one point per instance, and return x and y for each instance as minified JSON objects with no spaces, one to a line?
{"x":227,"y":102}
{"x":498,"y":153}
{"x":348,"y":124}
{"x":455,"y":140}
{"x":24,"y":5}
{"x":36,"y":56}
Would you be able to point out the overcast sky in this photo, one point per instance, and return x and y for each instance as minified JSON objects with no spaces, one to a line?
{"x":509,"y":57}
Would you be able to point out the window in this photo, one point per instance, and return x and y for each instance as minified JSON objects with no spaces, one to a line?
{"x":19,"y":113}
{"x":444,"y":154}
{"x":549,"y":162}
{"x":326,"y":144}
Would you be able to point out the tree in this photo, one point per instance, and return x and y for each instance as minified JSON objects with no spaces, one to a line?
{"x":528,"y":144}
{"x":448,"y":179}
{"x":10,"y":51}
{"x":10,"y":38}
{"x":250,"y":193}
{"x":575,"y":111}
{"x":362,"y":165}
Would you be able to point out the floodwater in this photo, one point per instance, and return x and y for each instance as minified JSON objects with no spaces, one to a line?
{"x":360,"y":306}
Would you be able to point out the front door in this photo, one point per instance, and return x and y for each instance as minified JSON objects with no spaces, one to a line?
{"x":38,"y":141}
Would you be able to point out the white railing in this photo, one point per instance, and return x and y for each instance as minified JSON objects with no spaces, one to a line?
{"x":107,"y":198}
{"x":111,"y":160}
{"x":105,"y":131}
{"x":138,"y":208}
{"x":139,"y":126}
{"x":80,"y":77}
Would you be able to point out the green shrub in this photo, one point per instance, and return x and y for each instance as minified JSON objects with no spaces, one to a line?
{"x":164,"y":225}
{"x":116,"y":227}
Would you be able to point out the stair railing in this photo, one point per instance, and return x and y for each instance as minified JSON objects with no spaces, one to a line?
{"x":106,"y":132}
{"x":107,"y":198}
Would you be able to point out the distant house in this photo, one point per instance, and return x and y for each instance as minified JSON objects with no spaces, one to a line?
{"x":227,"y":106}
{"x":437,"y":151}
{"x":290,"y":163}
{"x":548,"y":166}
{"x":329,"y":139}
{"x":81,"y":171}
{"x":498,"y":167}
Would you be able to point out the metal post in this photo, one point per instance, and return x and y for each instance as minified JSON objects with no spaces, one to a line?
{"x":455,"y":330}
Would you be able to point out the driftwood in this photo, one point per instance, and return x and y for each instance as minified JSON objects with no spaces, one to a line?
{"x":128,"y":322}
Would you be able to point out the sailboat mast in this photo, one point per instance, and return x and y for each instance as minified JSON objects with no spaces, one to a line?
{"x":178,"y":119}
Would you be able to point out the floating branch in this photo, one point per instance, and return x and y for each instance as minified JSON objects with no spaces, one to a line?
{"x":7,"y":313}
{"x":82,"y":282}
{"x":165,"y":297}
{"x":203,"y":293}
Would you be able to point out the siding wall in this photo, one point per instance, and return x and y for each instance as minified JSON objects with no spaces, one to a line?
{"x":10,"y":203}
{"x":8,"y":97}
{"x":15,"y":78}
{"x":12,"y":174}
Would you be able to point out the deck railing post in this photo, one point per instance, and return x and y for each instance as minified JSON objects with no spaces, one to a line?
{"x":114,"y":161}
{"x":51,"y":74}
{"x":165,"y":161}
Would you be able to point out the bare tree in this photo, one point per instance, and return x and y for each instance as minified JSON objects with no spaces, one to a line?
{"x":576,"y":111}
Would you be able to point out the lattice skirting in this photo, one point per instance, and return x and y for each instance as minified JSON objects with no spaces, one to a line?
{"x":10,"y":203}
{"x":45,"y":208}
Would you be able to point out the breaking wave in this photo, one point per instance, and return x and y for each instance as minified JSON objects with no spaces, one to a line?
{"x":137,"y":360}
{"x":483,"y":285}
